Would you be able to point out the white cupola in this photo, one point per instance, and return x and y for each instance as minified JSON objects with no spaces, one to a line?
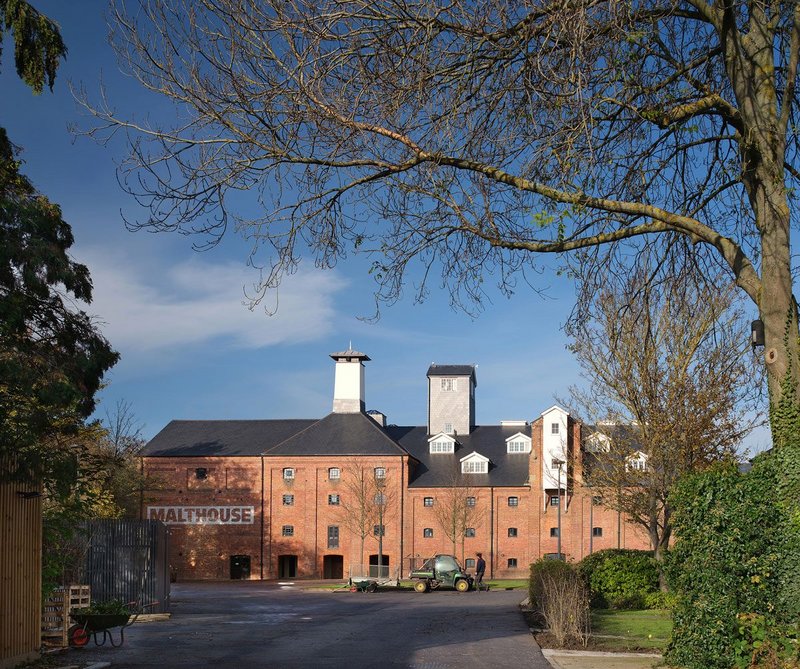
{"x":348,"y":385}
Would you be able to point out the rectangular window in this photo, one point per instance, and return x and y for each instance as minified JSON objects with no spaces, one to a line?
{"x":512,"y":531}
{"x":288,"y":474}
{"x":553,"y":500}
{"x":512,"y":563}
{"x":553,"y":531}
{"x":380,"y":473}
{"x":554,"y":428}
{"x":555,"y":463}
{"x":333,"y":500}
{"x":449,"y":385}
{"x":288,"y":530}
{"x":441,"y":446}
{"x":597,"y":531}
{"x":513,"y":501}
{"x":428,"y":501}
{"x":379,"y":530}
{"x":427,"y":532}
{"x":597,"y":499}
{"x":474,"y":467}
{"x":469,"y":563}
{"x":333,"y":536}
{"x":380,"y":499}
{"x":288,"y":500}
{"x":516,"y":447}
{"x":470,"y":501}
{"x":469,"y":532}
{"x":334,"y":473}
{"x":448,"y":427}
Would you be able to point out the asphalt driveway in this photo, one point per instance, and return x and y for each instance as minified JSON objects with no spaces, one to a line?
{"x":243,"y":624}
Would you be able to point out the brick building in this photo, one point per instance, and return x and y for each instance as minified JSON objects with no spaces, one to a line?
{"x":325,"y":498}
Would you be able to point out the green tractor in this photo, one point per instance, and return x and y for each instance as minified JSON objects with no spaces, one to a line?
{"x":441,"y":571}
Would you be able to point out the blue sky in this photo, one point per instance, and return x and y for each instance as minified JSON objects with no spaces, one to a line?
{"x":190,"y":346}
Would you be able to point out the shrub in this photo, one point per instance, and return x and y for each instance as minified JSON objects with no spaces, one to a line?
{"x":659,"y":600}
{"x":539,"y":570}
{"x":564,"y":604}
{"x":736,"y":552}
{"x":621,"y":579}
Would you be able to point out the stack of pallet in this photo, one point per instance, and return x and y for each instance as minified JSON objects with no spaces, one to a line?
{"x":55,"y":613}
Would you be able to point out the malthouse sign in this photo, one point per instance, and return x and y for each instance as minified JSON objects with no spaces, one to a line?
{"x":201,"y":515}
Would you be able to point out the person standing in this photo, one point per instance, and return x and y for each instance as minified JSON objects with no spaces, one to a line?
{"x":480,"y":569}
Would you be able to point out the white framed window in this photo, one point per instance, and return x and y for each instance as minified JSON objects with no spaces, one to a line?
{"x":469,"y":532}
{"x":513,"y":501}
{"x":554,"y":500}
{"x":380,"y":473}
{"x":474,"y":467}
{"x":442,"y":446}
{"x":287,"y":530}
{"x":379,"y":530}
{"x":334,"y":473}
{"x":288,"y":473}
{"x":469,"y":563}
{"x":449,"y":385}
{"x":448,"y":427}
{"x":512,"y":563}
{"x":555,"y":428}
{"x":470,"y":501}
{"x":427,"y":501}
{"x":288,"y":500}
{"x":333,"y":500}
{"x":380,"y":499}
{"x":517,"y":447}
{"x":427,"y":533}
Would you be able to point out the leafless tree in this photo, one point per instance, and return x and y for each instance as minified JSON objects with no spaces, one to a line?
{"x":455,"y":509}
{"x":472,"y":136}
{"x":669,"y":389}
{"x":366,"y":502}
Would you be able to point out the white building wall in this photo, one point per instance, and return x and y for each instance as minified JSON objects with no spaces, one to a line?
{"x":348,"y":387}
{"x":554,"y":446}
{"x":454,"y":407}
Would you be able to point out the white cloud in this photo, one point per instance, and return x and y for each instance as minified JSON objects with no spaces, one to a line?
{"x":194,"y":302}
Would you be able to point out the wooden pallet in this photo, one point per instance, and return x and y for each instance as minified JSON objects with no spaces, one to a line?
{"x":55,"y":613}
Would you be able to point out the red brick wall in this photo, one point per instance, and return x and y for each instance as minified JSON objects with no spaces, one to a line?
{"x":203,"y":551}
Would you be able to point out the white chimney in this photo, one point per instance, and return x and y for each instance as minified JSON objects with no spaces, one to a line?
{"x":348,"y":386}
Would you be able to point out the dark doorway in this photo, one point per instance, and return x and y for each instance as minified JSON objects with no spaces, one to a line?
{"x":287,"y":566}
{"x":379,"y":571}
{"x":333,"y":566}
{"x":240,"y":567}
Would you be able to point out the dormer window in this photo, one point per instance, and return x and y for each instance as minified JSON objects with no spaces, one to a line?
{"x":474,"y":463}
{"x":518,"y":443}
{"x":442,"y":443}
{"x":598,"y":443}
{"x":637,"y":462}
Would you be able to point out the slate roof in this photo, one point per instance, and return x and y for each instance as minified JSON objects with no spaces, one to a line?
{"x":339,"y":434}
{"x":453,"y":370}
{"x":221,"y":437}
{"x":437,"y":470}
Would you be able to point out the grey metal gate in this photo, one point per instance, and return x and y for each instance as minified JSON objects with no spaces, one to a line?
{"x":128,"y":560}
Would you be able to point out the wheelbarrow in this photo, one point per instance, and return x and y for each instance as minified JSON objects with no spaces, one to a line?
{"x":91,"y":625}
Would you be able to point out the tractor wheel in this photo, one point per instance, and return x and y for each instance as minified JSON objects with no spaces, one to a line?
{"x":421,"y":586}
{"x":462,"y":585}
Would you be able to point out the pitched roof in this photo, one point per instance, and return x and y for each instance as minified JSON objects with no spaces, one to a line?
{"x":453,"y":370}
{"x":440,"y":470}
{"x":221,"y":437}
{"x":339,"y":434}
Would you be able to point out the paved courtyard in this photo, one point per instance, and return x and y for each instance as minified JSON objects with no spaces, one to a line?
{"x":242,"y":624}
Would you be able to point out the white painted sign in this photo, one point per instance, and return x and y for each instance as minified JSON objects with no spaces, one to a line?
{"x":202,"y":515}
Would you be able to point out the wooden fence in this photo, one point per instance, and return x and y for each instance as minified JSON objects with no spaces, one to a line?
{"x":20,"y":567}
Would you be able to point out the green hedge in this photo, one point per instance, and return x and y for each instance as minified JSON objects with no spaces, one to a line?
{"x":620,"y":578}
{"x":735,"y":560}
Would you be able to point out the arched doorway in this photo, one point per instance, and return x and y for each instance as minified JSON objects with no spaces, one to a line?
{"x":287,"y":566}
{"x":333,"y":566}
